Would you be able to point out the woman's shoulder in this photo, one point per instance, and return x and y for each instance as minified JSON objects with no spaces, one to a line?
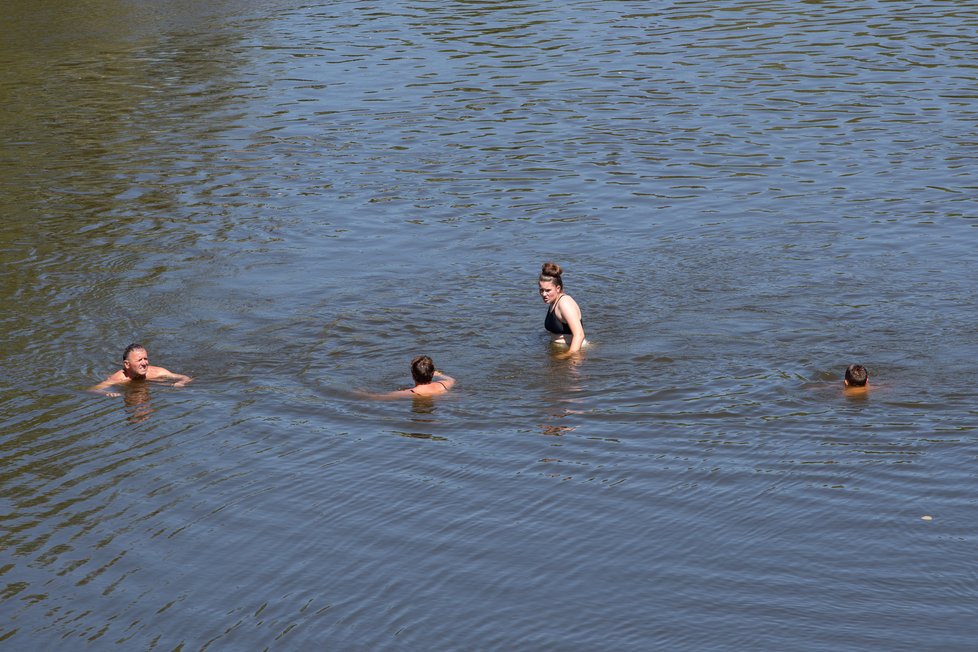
{"x":566,"y":301}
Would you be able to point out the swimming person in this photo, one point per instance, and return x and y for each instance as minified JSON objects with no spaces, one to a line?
{"x":136,"y":366}
{"x":424,"y":373}
{"x":857,"y":378}
{"x":564,"y":315}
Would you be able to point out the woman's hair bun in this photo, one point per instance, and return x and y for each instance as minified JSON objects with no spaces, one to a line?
{"x":551,"y":269}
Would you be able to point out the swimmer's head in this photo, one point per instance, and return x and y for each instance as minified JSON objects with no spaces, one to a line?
{"x":856,"y":376}
{"x":551,"y":274}
{"x":422,"y":369}
{"x":135,"y":361}
{"x":129,"y":349}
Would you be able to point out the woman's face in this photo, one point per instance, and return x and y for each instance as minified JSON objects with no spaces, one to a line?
{"x":549,"y":291}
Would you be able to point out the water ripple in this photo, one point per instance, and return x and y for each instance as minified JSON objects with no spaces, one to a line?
{"x":289,"y":201}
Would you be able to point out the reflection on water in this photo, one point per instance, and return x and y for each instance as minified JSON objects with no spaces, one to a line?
{"x":555,"y":430}
{"x":290,"y":198}
{"x":137,"y":397}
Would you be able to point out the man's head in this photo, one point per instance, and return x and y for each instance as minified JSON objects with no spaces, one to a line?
{"x":422,"y":369}
{"x":135,"y":361}
{"x":856,"y":375}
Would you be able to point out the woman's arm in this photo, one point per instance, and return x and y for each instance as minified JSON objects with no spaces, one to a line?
{"x":447,"y":381}
{"x":401,"y":393}
{"x":570,"y":313}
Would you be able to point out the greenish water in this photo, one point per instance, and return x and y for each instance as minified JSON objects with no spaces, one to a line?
{"x":289,"y":201}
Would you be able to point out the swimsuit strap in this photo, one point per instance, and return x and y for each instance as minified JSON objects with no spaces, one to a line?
{"x":437,"y":381}
{"x":554,"y":305}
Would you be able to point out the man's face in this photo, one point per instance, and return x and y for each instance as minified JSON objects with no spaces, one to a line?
{"x":137,"y":362}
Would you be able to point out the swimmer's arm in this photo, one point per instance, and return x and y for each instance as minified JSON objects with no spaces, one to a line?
{"x":103,"y":387}
{"x":444,"y":379}
{"x":571,"y":313}
{"x":182,"y":380}
{"x":403,"y":393}
{"x":179,"y":380}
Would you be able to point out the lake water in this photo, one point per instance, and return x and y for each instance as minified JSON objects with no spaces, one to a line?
{"x":288,"y":201}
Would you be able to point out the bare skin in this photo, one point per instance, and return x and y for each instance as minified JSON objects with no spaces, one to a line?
{"x":136,"y":367}
{"x":855,"y":390}
{"x":567,"y":311}
{"x":440,"y":384}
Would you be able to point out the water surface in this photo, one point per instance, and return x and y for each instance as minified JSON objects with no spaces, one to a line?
{"x":289,"y":201}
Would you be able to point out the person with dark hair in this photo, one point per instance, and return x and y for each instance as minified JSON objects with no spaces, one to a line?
{"x":425,"y":384}
{"x":563,"y":315}
{"x":857,"y":377}
{"x":136,"y":367}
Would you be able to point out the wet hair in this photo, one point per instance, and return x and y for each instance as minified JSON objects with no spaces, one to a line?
{"x":551,"y":274}
{"x":422,"y":369}
{"x":129,"y":349}
{"x":856,"y":375}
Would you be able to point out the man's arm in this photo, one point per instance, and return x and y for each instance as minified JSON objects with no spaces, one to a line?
{"x":159,"y":373}
{"x":181,"y":380}
{"x":113,"y":380}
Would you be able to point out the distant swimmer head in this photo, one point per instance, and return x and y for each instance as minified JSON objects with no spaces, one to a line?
{"x":422,"y":369}
{"x":856,"y":376}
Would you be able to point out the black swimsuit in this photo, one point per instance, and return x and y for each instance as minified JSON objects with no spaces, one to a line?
{"x":554,"y":325}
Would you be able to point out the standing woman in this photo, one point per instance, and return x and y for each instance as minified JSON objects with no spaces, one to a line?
{"x":563,"y":315}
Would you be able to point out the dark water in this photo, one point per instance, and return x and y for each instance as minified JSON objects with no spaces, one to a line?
{"x":290,"y":200}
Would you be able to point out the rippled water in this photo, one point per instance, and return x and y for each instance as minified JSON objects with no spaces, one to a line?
{"x":290,"y":200}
